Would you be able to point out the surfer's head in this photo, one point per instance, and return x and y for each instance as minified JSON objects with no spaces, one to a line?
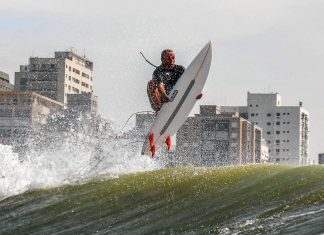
{"x":168,"y":57}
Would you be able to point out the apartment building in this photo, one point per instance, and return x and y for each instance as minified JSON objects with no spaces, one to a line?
{"x":55,"y":78}
{"x":22,"y":113}
{"x":285,"y":128}
{"x":212,"y":138}
{"x":5,"y":85}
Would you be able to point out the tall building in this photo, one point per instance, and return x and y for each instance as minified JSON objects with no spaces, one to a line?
{"x":212,"y":138}
{"x":285,"y":128}
{"x":4,"y":82}
{"x":55,"y":78}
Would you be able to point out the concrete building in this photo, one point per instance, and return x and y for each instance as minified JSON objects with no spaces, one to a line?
{"x":212,"y":138}
{"x":85,"y":103}
{"x":22,"y":113}
{"x":5,"y":85}
{"x":321,"y":158}
{"x":285,"y":128}
{"x":55,"y":78}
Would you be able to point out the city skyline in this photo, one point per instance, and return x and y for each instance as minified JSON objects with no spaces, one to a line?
{"x":268,"y":46}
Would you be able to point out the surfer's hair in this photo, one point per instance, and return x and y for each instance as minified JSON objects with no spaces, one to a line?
{"x":164,"y":53}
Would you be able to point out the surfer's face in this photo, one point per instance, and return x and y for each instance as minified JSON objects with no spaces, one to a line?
{"x":169,"y":59}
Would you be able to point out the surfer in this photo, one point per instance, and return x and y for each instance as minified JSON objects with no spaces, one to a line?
{"x":163,"y":80}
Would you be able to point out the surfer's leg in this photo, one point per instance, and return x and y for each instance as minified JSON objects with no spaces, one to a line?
{"x":154,"y":96}
{"x":163,"y":94}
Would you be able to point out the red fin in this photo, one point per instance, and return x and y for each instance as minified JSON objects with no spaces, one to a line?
{"x":151,"y":139}
{"x":198,"y":97}
{"x":168,"y":142}
{"x":153,"y":150}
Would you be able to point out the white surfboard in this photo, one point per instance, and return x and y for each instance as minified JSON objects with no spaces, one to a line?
{"x":184,"y":96}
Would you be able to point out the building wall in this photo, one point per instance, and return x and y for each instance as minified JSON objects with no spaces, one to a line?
{"x":321,"y":158}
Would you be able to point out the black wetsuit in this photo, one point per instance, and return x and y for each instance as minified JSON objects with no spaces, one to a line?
{"x":168,"y":76}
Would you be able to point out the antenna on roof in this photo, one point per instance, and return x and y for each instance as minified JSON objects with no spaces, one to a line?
{"x":84,"y":55}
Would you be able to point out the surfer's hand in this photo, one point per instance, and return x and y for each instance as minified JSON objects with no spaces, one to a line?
{"x":166,"y":99}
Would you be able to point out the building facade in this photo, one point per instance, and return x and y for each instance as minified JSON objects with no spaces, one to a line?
{"x":5,"y":85}
{"x":22,"y":113}
{"x":212,"y":138}
{"x":55,"y":78}
{"x":285,"y":128}
{"x":85,"y":103}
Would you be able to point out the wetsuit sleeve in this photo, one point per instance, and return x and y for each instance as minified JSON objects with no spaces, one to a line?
{"x":181,"y":70}
{"x":156,"y":77}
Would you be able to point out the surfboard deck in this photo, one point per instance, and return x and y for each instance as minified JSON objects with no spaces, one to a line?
{"x":183,"y":98}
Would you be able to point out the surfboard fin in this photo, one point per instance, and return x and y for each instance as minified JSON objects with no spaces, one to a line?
{"x":198,"y":97}
{"x":153,"y":150}
{"x":168,"y":142}
{"x":151,"y":138}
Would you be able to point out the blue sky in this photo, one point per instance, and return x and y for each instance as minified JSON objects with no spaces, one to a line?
{"x":259,"y":46}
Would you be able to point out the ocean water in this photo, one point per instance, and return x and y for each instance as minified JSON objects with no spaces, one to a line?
{"x":69,"y":191}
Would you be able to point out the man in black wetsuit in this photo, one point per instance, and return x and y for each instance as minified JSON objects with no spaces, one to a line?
{"x":164,"y":79}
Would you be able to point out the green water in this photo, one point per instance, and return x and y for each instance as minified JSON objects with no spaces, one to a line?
{"x":256,"y":199}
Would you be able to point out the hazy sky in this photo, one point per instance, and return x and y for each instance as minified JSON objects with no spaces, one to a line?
{"x":259,"y":46}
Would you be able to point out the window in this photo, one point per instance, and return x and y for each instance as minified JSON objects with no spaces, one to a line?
{"x":5,"y":132}
{"x":287,"y":131}
{"x":277,"y":123}
{"x":22,"y":113}
{"x":257,"y":105}
{"x":252,"y":114}
{"x":256,"y":114}
{"x":277,"y":114}
{"x":288,"y":122}
{"x":5,"y":112}
{"x":288,"y":113}
{"x":69,"y":78}
{"x":284,"y":113}
{"x":250,"y":105}
{"x":287,"y":141}
{"x":278,"y":132}
{"x":269,"y":142}
{"x":268,"y":133}
{"x":268,"y":114}
{"x":85,"y":75}
{"x":70,"y":68}
{"x":268,"y":123}
{"x":76,"y":71}
{"x":277,"y":141}
{"x":76,"y":80}
{"x":277,"y":150}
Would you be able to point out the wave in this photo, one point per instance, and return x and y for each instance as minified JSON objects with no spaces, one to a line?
{"x":254,"y":199}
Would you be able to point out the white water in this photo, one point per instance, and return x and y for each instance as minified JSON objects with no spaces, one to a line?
{"x":70,"y":163}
